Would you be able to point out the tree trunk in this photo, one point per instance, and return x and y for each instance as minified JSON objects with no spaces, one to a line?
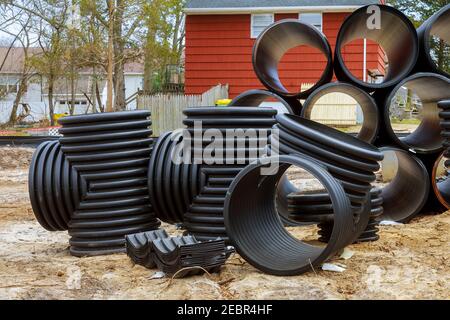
{"x":19,"y":95}
{"x":119,"y":49}
{"x":109,"y":99}
{"x":51,"y":106}
{"x":99,"y":98}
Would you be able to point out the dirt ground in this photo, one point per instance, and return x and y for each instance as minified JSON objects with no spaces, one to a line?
{"x":409,"y":262}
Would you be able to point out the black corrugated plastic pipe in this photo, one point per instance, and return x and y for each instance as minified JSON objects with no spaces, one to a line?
{"x":442,"y":186}
{"x":258,"y":234}
{"x":256,"y":97}
{"x":110,"y":154}
{"x":351,"y":161}
{"x":407,"y":191}
{"x":371,"y":122}
{"x":48,"y":186}
{"x":438,"y":25}
{"x":204,"y":218}
{"x":172,"y":185}
{"x":395,"y":34}
{"x":430,"y":88}
{"x":275,"y":41}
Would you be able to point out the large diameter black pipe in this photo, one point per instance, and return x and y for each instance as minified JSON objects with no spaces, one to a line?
{"x":256,"y":97}
{"x":371,"y":122}
{"x":276,"y":41}
{"x":408,"y":186}
{"x":258,"y":234}
{"x":395,"y":34}
{"x":430,"y":88}
{"x":437,"y":26}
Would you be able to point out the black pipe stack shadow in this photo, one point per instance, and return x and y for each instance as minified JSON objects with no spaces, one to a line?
{"x":104,"y":180}
{"x":204,"y":219}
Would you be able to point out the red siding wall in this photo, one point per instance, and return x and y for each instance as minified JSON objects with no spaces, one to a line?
{"x":219,"y":50}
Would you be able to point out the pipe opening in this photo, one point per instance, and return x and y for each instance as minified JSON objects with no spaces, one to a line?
{"x":257,"y":232}
{"x":405,"y":184}
{"x":441,"y":180}
{"x":412,"y":109}
{"x":264,"y":98}
{"x":400,"y":50}
{"x":359,"y":110}
{"x":276,"y":57}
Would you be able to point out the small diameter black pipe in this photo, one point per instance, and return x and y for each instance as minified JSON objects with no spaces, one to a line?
{"x":256,"y":97}
{"x":437,"y":26}
{"x":408,"y":185}
{"x":401,"y":49}
{"x":258,"y":234}
{"x":276,"y":41}
{"x":430,"y":89}
{"x":371,"y":122}
{"x":440,"y":180}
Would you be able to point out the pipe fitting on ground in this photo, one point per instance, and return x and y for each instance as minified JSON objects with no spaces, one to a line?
{"x":258,"y":234}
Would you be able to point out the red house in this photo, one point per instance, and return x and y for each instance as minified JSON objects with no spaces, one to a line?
{"x":220,"y":35}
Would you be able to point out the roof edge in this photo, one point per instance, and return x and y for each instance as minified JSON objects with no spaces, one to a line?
{"x":205,"y":11}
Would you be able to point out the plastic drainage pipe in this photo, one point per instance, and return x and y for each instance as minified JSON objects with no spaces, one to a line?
{"x":408,"y":185}
{"x":440,"y":180}
{"x":254,"y":228}
{"x":430,"y":88}
{"x":276,"y":41}
{"x":256,"y":97}
{"x":392,"y":30}
{"x":437,"y":25}
{"x":371,"y":122}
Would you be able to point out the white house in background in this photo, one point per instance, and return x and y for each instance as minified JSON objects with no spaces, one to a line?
{"x":36,"y":96}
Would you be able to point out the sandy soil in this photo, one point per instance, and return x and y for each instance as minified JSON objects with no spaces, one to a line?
{"x":409,"y":262}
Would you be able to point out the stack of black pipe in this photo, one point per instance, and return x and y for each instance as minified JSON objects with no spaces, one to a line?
{"x":99,"y":181}
{"x":204,"y":218}
{"x":443,"y":186}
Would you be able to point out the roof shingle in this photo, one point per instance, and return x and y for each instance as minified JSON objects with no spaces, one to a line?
{"x":205,"y":4}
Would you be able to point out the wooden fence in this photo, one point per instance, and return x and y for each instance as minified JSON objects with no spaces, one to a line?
{"x":167,"y":110}
{"x":335,"y":109}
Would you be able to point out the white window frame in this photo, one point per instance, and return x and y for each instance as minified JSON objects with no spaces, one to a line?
{"x":318,"y":12}
{"x":252,"y":35}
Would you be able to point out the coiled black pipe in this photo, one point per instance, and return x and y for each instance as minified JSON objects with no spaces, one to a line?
{"x":278,"y":39}
{"x":350,"y":160}
{"x":256,"y":97}
{"x":50,"y":197}
{"x":438,"y":25}
{"x":109,"y":154}
{"x":172,"y":183}
{"x":204,"y":219}
{"x":407,"y":191}
{"x":371,"y":122}
{"x":430,"y":88}
{"x":401,"y":50}
{"x":258,"y":234}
